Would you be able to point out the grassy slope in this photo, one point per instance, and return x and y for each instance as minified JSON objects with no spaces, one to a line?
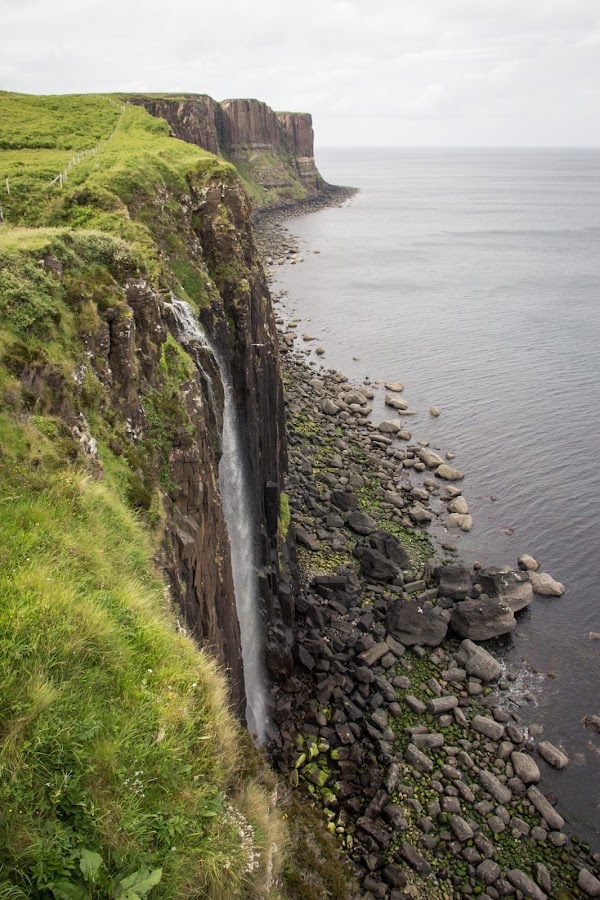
{"x":115,"y":736}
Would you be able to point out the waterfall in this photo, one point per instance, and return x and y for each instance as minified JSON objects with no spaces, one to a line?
{"x":234,"y":480}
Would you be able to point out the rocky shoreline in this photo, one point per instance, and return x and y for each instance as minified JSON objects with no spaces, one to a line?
{"x":402,"y":728}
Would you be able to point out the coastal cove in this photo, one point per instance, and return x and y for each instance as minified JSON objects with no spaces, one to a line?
{"x":407,"y":284}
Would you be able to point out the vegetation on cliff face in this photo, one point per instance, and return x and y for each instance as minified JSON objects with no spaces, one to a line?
{"x":123,"y":772}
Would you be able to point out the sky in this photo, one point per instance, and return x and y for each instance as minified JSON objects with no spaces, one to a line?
{"x":371,"y":72}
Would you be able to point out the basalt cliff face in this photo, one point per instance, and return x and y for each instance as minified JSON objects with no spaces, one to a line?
{"x":273,"y":151}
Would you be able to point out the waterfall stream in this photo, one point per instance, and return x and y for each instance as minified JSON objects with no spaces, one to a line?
{"x":234,"y":483}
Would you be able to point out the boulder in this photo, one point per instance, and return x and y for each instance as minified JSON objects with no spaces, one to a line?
{"x":361,"y":522}
{"x":454,"y":581}
{"x":434,"y":411}
{"x":545,"y":586}
{"x":395,"y":402}
{"x":330,"y":408}
{"x":478,"y":662}
{"x":458,"y":505}
{"x":528,"y":563}
{"x":553,"y":756}
{"x":389,"y":546}
{"x":390,"y":426}
{"x":374,"y":566}
{"x":465,"y":523}
{"x":394,"y":386}
{"x":514,"y":588}
{"x":482,"y":619}
{"x":588,"y":883}
{"x":525,"y":767}
{"x":431,"y":459}
{"x":410,"y":624}
{"x":448,"y":473}
{"x":526,"y":885}
{"x":344,"y":500}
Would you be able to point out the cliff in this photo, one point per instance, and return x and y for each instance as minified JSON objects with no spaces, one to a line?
{"x":112,"y":434}
{"x":273,"y":152}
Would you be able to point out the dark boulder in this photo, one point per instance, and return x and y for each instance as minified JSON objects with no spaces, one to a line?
{"x":482,"y":619}
{"x":374,"y":566}
{"x":361,"y":522}
{"x":389,"y":546}
{"x":512,"y":587}
{"x":344,"y":500}
{"x":454,"y":581}
{"x":410,"y":624}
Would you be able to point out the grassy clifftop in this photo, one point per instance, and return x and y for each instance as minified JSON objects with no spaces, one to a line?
{"x":122,"y":771}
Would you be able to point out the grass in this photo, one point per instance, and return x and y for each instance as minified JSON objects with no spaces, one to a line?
{"x":117,"y":744}
{"x":115,"y":731}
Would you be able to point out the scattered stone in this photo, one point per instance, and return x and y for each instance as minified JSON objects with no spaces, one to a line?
{"x":545,"y":586}
{"x":526,"y":885}
{"x":454,"y":581}
{"x":394,"y":386}
{"x":434,"y":411}
{"x":525,"y":767}
{"x":361,"y":522}
{"x":545,"y":809}
{"x":514,"y":588}
{"x":528,"y":563}
{"x":553,"y":756}
{"x":488,"y":727}
{"x":478,"y":662}
{"x":588,"y":883}
{"x":448,"y":473}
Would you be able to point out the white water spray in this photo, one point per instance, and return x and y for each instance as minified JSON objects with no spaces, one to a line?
{"x":234,"y":480}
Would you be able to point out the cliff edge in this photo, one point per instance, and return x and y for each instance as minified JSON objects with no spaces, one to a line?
{"x":272,"y":151}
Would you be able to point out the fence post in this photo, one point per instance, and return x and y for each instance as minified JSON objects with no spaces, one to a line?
{"x":7,"y":187}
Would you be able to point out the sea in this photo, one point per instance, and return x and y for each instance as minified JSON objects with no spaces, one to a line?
{"x":473,"y":277}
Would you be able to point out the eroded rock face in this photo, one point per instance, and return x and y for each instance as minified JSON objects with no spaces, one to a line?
{"x":244,"y":130}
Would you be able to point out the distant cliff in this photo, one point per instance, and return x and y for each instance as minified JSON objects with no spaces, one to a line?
{"x":273,"y":152}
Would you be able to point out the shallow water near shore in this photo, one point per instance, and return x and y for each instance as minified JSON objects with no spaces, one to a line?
{"x":473,"y":276}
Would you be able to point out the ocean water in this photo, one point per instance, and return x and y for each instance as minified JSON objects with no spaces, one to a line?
{"x":473,"y":276}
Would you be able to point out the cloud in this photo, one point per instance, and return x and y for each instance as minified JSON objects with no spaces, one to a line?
{"x":530,"y":66}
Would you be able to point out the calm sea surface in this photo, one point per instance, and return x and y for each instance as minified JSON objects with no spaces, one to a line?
{"x":473,"y":276}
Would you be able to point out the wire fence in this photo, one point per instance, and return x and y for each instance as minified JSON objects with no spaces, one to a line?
{"x":62,"y":177}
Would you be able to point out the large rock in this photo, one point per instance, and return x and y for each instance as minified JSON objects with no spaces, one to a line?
{"x":389,"y":545}
{"x":478,"y":662}
{"x":528,"y":563}
{"x":525,"y":767}
{"x":361,"y":522}
{"x":395,"y":402}
{"x":454,"y":581}
{"x":514,"y":588}
{"x":431,"y":459}
{"x":390,"y":426}
{"x":553,"y":756}
{"x":374,"y":566}
{"x":344,"y":500}
{"x":482,"y":619}
{"x":410,"y":624}
{"x":545,"y":586}
{"x":459,"y":506}
{"x":448,"y":473}
{"x":526,"y":885}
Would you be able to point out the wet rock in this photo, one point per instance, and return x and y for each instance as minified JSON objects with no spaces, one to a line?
{"x":592,"y":723}
{"x":411,"y":624}
{"x":514,"y":588}
{"x":448,"y":473}
{"x":459,"y":506}
{"x":465,"y":523}
{"x":395,"y":402}
{"x":553,"y":756}
{"x":482,"y":619}
{"x":390,"y":426}
{"x":394,"y":386}
{"x":478,"y":662}
{"x":545,"y":586}
{"x":431,"y":459}
{"x":528,"y":563}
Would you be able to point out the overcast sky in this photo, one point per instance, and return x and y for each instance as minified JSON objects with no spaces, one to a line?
{"x":372,"y":72}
